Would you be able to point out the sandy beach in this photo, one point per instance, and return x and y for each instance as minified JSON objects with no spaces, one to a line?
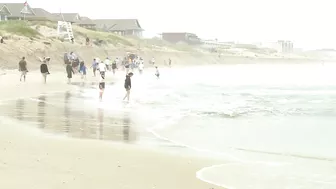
{"x":31,"y":159}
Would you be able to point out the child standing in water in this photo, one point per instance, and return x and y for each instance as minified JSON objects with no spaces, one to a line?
{"x":101,"y":86}
{"x":128,"y":85}
{"x":157,"y":73}
{"x":82,"y":69}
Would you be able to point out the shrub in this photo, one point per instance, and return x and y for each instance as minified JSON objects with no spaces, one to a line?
{"x":19,"y":28}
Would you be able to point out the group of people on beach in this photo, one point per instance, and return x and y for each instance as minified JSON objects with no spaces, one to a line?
{"x":43,"y":68}
{"x":73,"y":66}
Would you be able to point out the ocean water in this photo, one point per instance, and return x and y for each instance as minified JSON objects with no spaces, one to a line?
{"x":274,"y":123}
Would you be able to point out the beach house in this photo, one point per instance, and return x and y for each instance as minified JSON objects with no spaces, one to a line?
{"x":76,"y":19}
{"x":129,"y":27}
{"x":15,"y":11}
{"x":184,"y":37}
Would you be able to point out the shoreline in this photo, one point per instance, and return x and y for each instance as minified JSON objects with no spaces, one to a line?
{"x":38,"y":160}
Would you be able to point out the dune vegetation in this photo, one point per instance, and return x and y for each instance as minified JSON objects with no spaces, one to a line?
{"x":18,"y":28}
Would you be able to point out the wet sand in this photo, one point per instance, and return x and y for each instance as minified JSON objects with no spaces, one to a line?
{"x":30,"y":158}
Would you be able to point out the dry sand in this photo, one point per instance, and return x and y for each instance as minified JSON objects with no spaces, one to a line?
{"x":32,"y":160}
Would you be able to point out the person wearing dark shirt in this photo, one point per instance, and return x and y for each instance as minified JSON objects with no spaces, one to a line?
{"x":82,"y":69}
{"x":69,"y":71}
{"x":23,"y":68}
{"x":87,"y":40}
{"x":44,"y":71}
{"x":128,"y":85}
{"x":114,"y":66}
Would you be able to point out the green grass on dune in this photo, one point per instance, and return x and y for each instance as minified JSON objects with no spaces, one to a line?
{"x":105,"y":36}
{"x":18,"y":28}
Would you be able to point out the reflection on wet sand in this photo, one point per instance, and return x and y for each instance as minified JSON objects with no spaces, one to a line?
{"x":19,"y":109}
{"x":101,"y":124}
{"x":126,"y":125}
{"x":65,"y":113}
{"x":41,"y":111}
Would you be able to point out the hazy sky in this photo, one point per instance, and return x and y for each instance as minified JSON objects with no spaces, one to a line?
{"x":309,"y":23}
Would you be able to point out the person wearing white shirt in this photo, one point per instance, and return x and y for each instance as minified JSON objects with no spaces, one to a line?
{"x":141,"y":67}
{"x":153,"y":60}
{"x":108,"y":63}
{"x":102,"y":68}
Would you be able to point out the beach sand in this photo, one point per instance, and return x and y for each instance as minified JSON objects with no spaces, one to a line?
{"x":30,"y":159}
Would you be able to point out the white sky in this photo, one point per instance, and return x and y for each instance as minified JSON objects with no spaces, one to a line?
{"x":310,"y":23}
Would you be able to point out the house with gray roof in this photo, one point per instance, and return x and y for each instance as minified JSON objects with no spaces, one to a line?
{"x":86,"y":22}
{"x":120,"y":26}
{"x":4,"y":13}
{"x":15,"y":11}
{"x":75,"y":18}
{"x":42,"y":15}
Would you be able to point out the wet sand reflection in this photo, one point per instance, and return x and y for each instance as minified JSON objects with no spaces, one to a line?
{"x":41,"y":114}
{"x":65,"y":114}
{"x":126,"y":126}
{"x":101,"y":124}
{"x":20,"y":103}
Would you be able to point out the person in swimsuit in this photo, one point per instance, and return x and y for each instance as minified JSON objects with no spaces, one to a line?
{"x":101,"y":86}
{"x":128,"y":85}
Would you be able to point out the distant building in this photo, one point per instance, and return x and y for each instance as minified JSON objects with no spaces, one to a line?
{"x":189,"y":38}
{"x":76,"y":19}
{"x":130,"y":27}
{"x":286,"y":46}
{"x":215,"y":44}
{"x":23,"y":11}
{"x":15,"y":11}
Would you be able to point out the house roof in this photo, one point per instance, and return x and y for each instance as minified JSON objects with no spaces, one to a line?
{"x":68,"y":17}
{"x":86,"y":21}
{"x":43,"y":14}
{"x":117,"y":24}
{"x":4,"y":10}
{"x":16,"y":9}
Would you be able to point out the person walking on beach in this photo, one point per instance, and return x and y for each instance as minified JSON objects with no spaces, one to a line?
{"x":23,"y":68}
{"x":141,"y":67}
{"x":128,"y":85}
{"x":101,"y":86}
{"x":94,"y":67}
{"x":44,"y":71}
{"x":169,"y":62}
{"x":82,"y":70}
{"x":157,"y":73}
{"x":114,"y":65}
{"x":102,"y":68}
{"x":153,"y":61}
{"x":69,"y":71}
{"x":108,"y":63}
{"x":127,"y":65}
